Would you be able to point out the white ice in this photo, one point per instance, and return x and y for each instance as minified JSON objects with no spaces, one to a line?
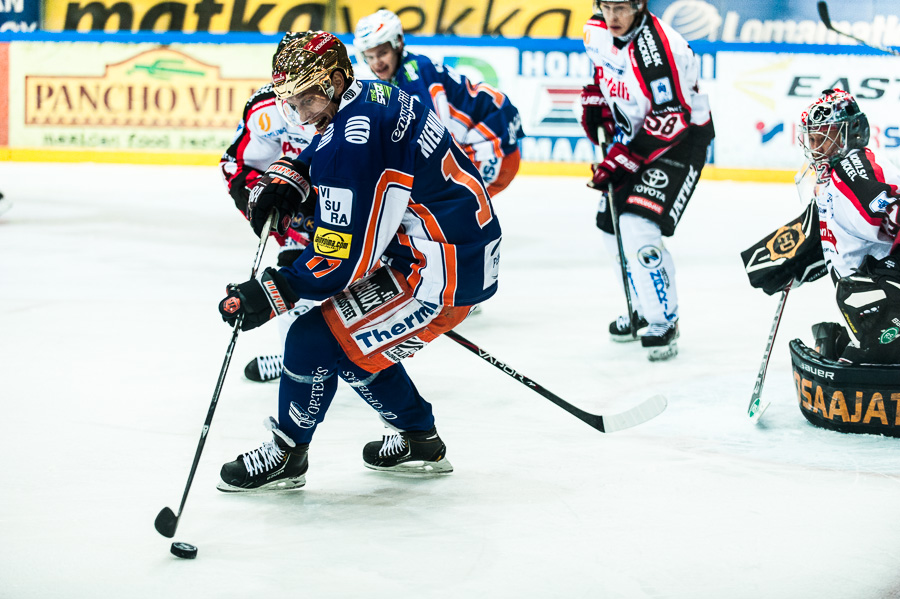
{"x":110,"y":345}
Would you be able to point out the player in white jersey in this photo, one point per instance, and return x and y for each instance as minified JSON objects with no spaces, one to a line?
{"x":856,"y":195}
{"x":263,"y":136}
{"x":645,"y":100}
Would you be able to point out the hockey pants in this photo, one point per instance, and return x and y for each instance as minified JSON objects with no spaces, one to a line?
{"x":313,"y":361}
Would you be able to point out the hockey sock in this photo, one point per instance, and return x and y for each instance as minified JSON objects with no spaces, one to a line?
{"x":308,"y":381}
{"x":392,"y":394}
{"x":652,"y":270}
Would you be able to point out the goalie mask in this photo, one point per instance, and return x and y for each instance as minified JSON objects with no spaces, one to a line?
{"x":306,"y":62}
{"x":830,"y":128}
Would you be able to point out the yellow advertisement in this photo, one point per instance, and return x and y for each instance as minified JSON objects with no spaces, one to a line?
{"x":505,"y":18}
{"x":128,"y":97}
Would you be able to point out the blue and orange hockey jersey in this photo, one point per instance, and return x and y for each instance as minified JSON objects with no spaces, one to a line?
{"x":479,"y":117}
{"x":393,"y":188}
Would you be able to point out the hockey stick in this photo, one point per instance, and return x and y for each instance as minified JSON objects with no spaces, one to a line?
{"x":166,"y":521}
{"x":623,"y":265}
{"x":823,"y":14}
{"x":754,"y":411}
{"x":639,"y":414}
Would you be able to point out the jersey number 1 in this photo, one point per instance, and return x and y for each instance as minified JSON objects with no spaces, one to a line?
{"x":451,"y":170}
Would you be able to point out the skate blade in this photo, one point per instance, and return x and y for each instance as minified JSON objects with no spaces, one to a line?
{"x":288,"y":484}
{"x":662,"y":353}
{"x":416,"y":467}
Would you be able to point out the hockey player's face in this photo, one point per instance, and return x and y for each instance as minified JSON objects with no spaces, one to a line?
{"x":619,"y":17}
{"x":313,"y":108}
{"x":825,"y":141}
{"x":383,"y":60}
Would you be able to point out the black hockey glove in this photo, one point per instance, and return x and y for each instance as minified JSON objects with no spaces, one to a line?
{"x":258,"y":301}
{"x":285,"y":187}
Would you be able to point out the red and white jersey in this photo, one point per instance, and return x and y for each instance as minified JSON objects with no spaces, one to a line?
{"x":650,"y":83}
{"x":263,"y":136}
{"x":858,"y":211}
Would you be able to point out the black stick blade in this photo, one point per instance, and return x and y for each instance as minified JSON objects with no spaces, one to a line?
{"x":823,"y":13}
{"x":166,"y":523}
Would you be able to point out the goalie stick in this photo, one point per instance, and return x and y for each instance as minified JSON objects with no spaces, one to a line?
{"x":826,"y":19}
{"x":167,"y":521}
{"x":644,"y":411}
{"x":754,"y":411}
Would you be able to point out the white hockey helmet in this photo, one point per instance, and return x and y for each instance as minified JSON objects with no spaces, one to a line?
{"x":376,"y":29}
{"x":639,"y":6}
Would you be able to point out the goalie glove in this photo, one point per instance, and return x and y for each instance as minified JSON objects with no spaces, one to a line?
{"x":285,"y":187}
{"x":257,"y":300}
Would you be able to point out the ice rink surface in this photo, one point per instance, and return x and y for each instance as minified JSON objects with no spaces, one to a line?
{"x":111,"y":345}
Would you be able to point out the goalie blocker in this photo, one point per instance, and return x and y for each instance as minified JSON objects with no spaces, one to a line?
{"x":791,"y":253}
{"x":848,"y":398}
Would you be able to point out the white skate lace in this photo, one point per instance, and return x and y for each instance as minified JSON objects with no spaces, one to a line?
{"x":658,"y":329}
{"x":269,"y":366}
{"x":623,"y":323}
{"x":263,"y":459}
{"x":392,"y":446}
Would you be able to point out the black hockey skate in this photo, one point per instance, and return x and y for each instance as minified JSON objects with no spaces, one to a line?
{"x":264,"y":368}
{"x":279,"y":465}
{"x":659,"y":340}
{"x":619,"y":328}
{"x":408,"y":452}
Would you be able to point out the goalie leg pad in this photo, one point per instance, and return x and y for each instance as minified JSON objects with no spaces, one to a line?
{"x":848,"y":398}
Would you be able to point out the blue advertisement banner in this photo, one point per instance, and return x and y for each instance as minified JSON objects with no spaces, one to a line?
{"x":781,"y":21}
{"x":20,"y":15}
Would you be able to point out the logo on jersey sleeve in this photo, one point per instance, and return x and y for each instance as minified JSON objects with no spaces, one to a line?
{"x":880,"y":203}
{"x":335,"y":205}
{"x":379,"y":93}
{"x":332,"y":243}
{"x":662,"y":90}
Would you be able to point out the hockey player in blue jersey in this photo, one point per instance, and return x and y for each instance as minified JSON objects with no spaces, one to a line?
{"x":480,"y":118}
{"x":405,"y":242}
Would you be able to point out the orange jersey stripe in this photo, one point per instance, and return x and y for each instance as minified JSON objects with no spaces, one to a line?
{"x":430,"y":223}
{"x":388,"y":177}
{"x":415,"y":275}
{"x":450,"y":273}
{"x":497,"y":97}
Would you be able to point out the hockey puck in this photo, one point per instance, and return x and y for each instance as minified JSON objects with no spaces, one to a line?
{"x":184,"y":550}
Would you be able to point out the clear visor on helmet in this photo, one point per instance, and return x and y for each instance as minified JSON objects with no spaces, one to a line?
{"x":823,"y":141}
{"x":304,"y":108}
